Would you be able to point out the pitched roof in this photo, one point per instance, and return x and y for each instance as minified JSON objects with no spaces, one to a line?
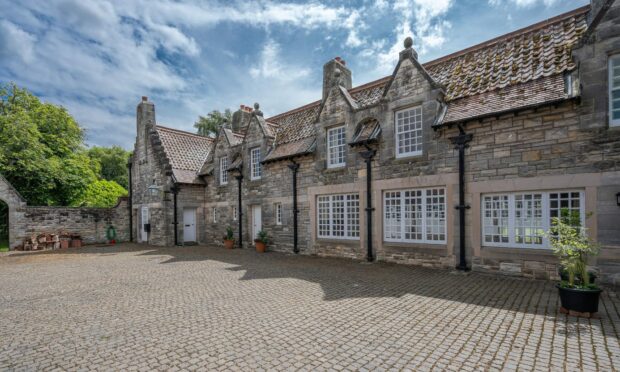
{"x":185,"y":151}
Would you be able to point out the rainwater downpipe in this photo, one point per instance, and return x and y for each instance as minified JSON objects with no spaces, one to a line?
{"x":367,"y":156}
{"x":461,"y":143}
{"x":294,"y":167}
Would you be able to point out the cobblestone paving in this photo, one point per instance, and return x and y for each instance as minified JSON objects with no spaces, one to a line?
{"x":144,"y":308}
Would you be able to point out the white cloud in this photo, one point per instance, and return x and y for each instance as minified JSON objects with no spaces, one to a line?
{"x":15,"y":43}
{"x":524,"y":3}
{"x":270,"y":65}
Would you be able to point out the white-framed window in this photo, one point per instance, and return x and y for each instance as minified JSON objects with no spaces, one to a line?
{"x":338,"y":216}
{"x":408,"y":125}
{"x":224,"y":170}
{"x":415,"y":216}
{"x":214,"y":215}
{"x":336,"y":147}
{"x":255,"y":165}
{"x":521,"y":219}
{"x":278,"y":213}
{"x":614,"y":90}
{"x":234,"y":213}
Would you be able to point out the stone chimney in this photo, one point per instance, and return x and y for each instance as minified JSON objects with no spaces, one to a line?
{"x":241,"y":118}
{"x":145,"y":120}
{"x":331,"y":78}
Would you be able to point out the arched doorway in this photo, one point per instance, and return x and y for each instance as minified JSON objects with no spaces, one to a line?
{"x":4,"y":226}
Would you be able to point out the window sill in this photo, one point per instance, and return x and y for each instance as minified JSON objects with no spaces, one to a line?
{"x":518,"y":250}
{"x":335,"y":169}
{"x":353,"y":241}
{"x":426,"y":248}
{"x":408,"y":158}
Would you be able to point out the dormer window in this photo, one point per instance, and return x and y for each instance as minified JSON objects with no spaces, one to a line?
{"x":336,"y":147}
{"x":614,"y":90}
{"x":408,"y":128}
{"x":255,"y":166}
{"x":224,"y":170}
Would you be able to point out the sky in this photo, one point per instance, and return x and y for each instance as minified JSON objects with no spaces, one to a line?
{"x":97,"y":58}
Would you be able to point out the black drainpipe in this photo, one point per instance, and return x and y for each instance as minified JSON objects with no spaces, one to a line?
{"x":294,"y":167}
{"x":461,"y":142}
{"x":175,"y":192}
{"x":130,"y":204}
{"x":240,"y":210}
{"x":368,"y":155}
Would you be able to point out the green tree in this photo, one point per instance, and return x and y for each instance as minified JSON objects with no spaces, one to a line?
{"x":110,"y":163}
{"x":101,"y":193}
{"x":209,"y":125}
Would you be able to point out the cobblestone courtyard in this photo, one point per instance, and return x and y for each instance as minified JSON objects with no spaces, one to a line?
{"x":147,"y":308}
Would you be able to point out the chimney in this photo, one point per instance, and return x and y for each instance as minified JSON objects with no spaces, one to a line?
{"x":241,"y":118}
{"x":331,"y":77}
{"x":145,"y":120}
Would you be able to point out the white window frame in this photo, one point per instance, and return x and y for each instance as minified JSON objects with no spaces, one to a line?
{"x":512,"y":219}
{"x":278,"y":213}
{"x":398,"y":132}
{"x":425,"y":219}
{"x":255,"y":166}
{"x":338,"y":162}
{"x":214,"y":215}
{"x":234,"y":213}
{"x":613,"y":60}
{"x":224,"y":170}
{"x":351,"y":211}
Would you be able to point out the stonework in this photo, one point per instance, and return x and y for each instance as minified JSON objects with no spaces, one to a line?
{"x":561,"y":140}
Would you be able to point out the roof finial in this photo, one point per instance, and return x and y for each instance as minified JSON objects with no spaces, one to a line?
{"x":408,"y":42}
{"x":257,"y":110}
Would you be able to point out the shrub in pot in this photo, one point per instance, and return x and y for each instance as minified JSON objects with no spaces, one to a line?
{"x":229,"y":241}
{"x":573,"y":247}
{"x":261,"y":241}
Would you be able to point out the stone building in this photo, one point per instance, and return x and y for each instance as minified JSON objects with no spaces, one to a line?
{"x":461,"y":161}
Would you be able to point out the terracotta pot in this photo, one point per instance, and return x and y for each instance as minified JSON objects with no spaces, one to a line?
{"x":260,"y":246}
{"x":76,"y":243}
{"x":229,"y":244}
{"x":64,"y":243}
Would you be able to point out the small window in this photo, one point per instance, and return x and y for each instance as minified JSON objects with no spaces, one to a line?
{"x":255,"y":165}
{"x":522,"y":219}
{"x":338,"y":216}
{"x":415,"y":216}
{"x":336,"y":147}
{"x":278,"y":213}
{"x":614,"y":90}
{"x":234,"y":213}
{"x":224,"y":170}
{"x":408,"y":124}
{"x":214,"y":215}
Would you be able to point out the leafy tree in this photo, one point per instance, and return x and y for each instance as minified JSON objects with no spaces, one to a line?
{"x":209,"y":125}
{"x":101,"y":193}
{"x":110,"y":163}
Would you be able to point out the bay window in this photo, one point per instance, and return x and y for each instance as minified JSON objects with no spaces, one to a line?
{"x":522,"y":219}
{"x":415,"y":216}
{"x":338,"y":216}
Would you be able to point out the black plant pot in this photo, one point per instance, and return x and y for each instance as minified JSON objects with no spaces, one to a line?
{"x":581,"y":300}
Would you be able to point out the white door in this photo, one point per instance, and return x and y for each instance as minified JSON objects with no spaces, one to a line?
{"x":256,"y":220}
{"x":189,"y":224}
{"x":144,"y":220}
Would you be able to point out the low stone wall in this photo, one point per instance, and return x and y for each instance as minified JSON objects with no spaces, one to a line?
{"x":90,"y":223}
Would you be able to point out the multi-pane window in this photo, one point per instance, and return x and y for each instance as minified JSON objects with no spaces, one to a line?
{"x":409,"y":132}
{"x":339,"y":216}
{"x":614,"y":90}
{"x":224,"y":170}
{"x":336,"y":147}
{"x":417,"y":215}
{"x":255,"y":165}
{"x":214,"y":215}
{"x":234,"y":213}
{"x":278,"y":213}
{"x":521,"y":219}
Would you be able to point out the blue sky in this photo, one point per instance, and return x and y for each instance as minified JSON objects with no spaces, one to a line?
{"x":97,"y":58}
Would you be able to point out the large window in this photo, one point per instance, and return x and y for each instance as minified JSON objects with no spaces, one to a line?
{"x":336,"y":147}
{"x":416,"y":216}
{"x":224,"y":170}
{"x":409,"y":132}
{"x":255,"y":166}
{"x":521,"y":219}
{"x":614,"y":90}
{"x":339,"y":216}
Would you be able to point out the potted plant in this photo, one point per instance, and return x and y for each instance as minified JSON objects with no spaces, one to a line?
{"x":573,"y":247}
{"x":229,"y":241}
{"x":261,"y":241}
